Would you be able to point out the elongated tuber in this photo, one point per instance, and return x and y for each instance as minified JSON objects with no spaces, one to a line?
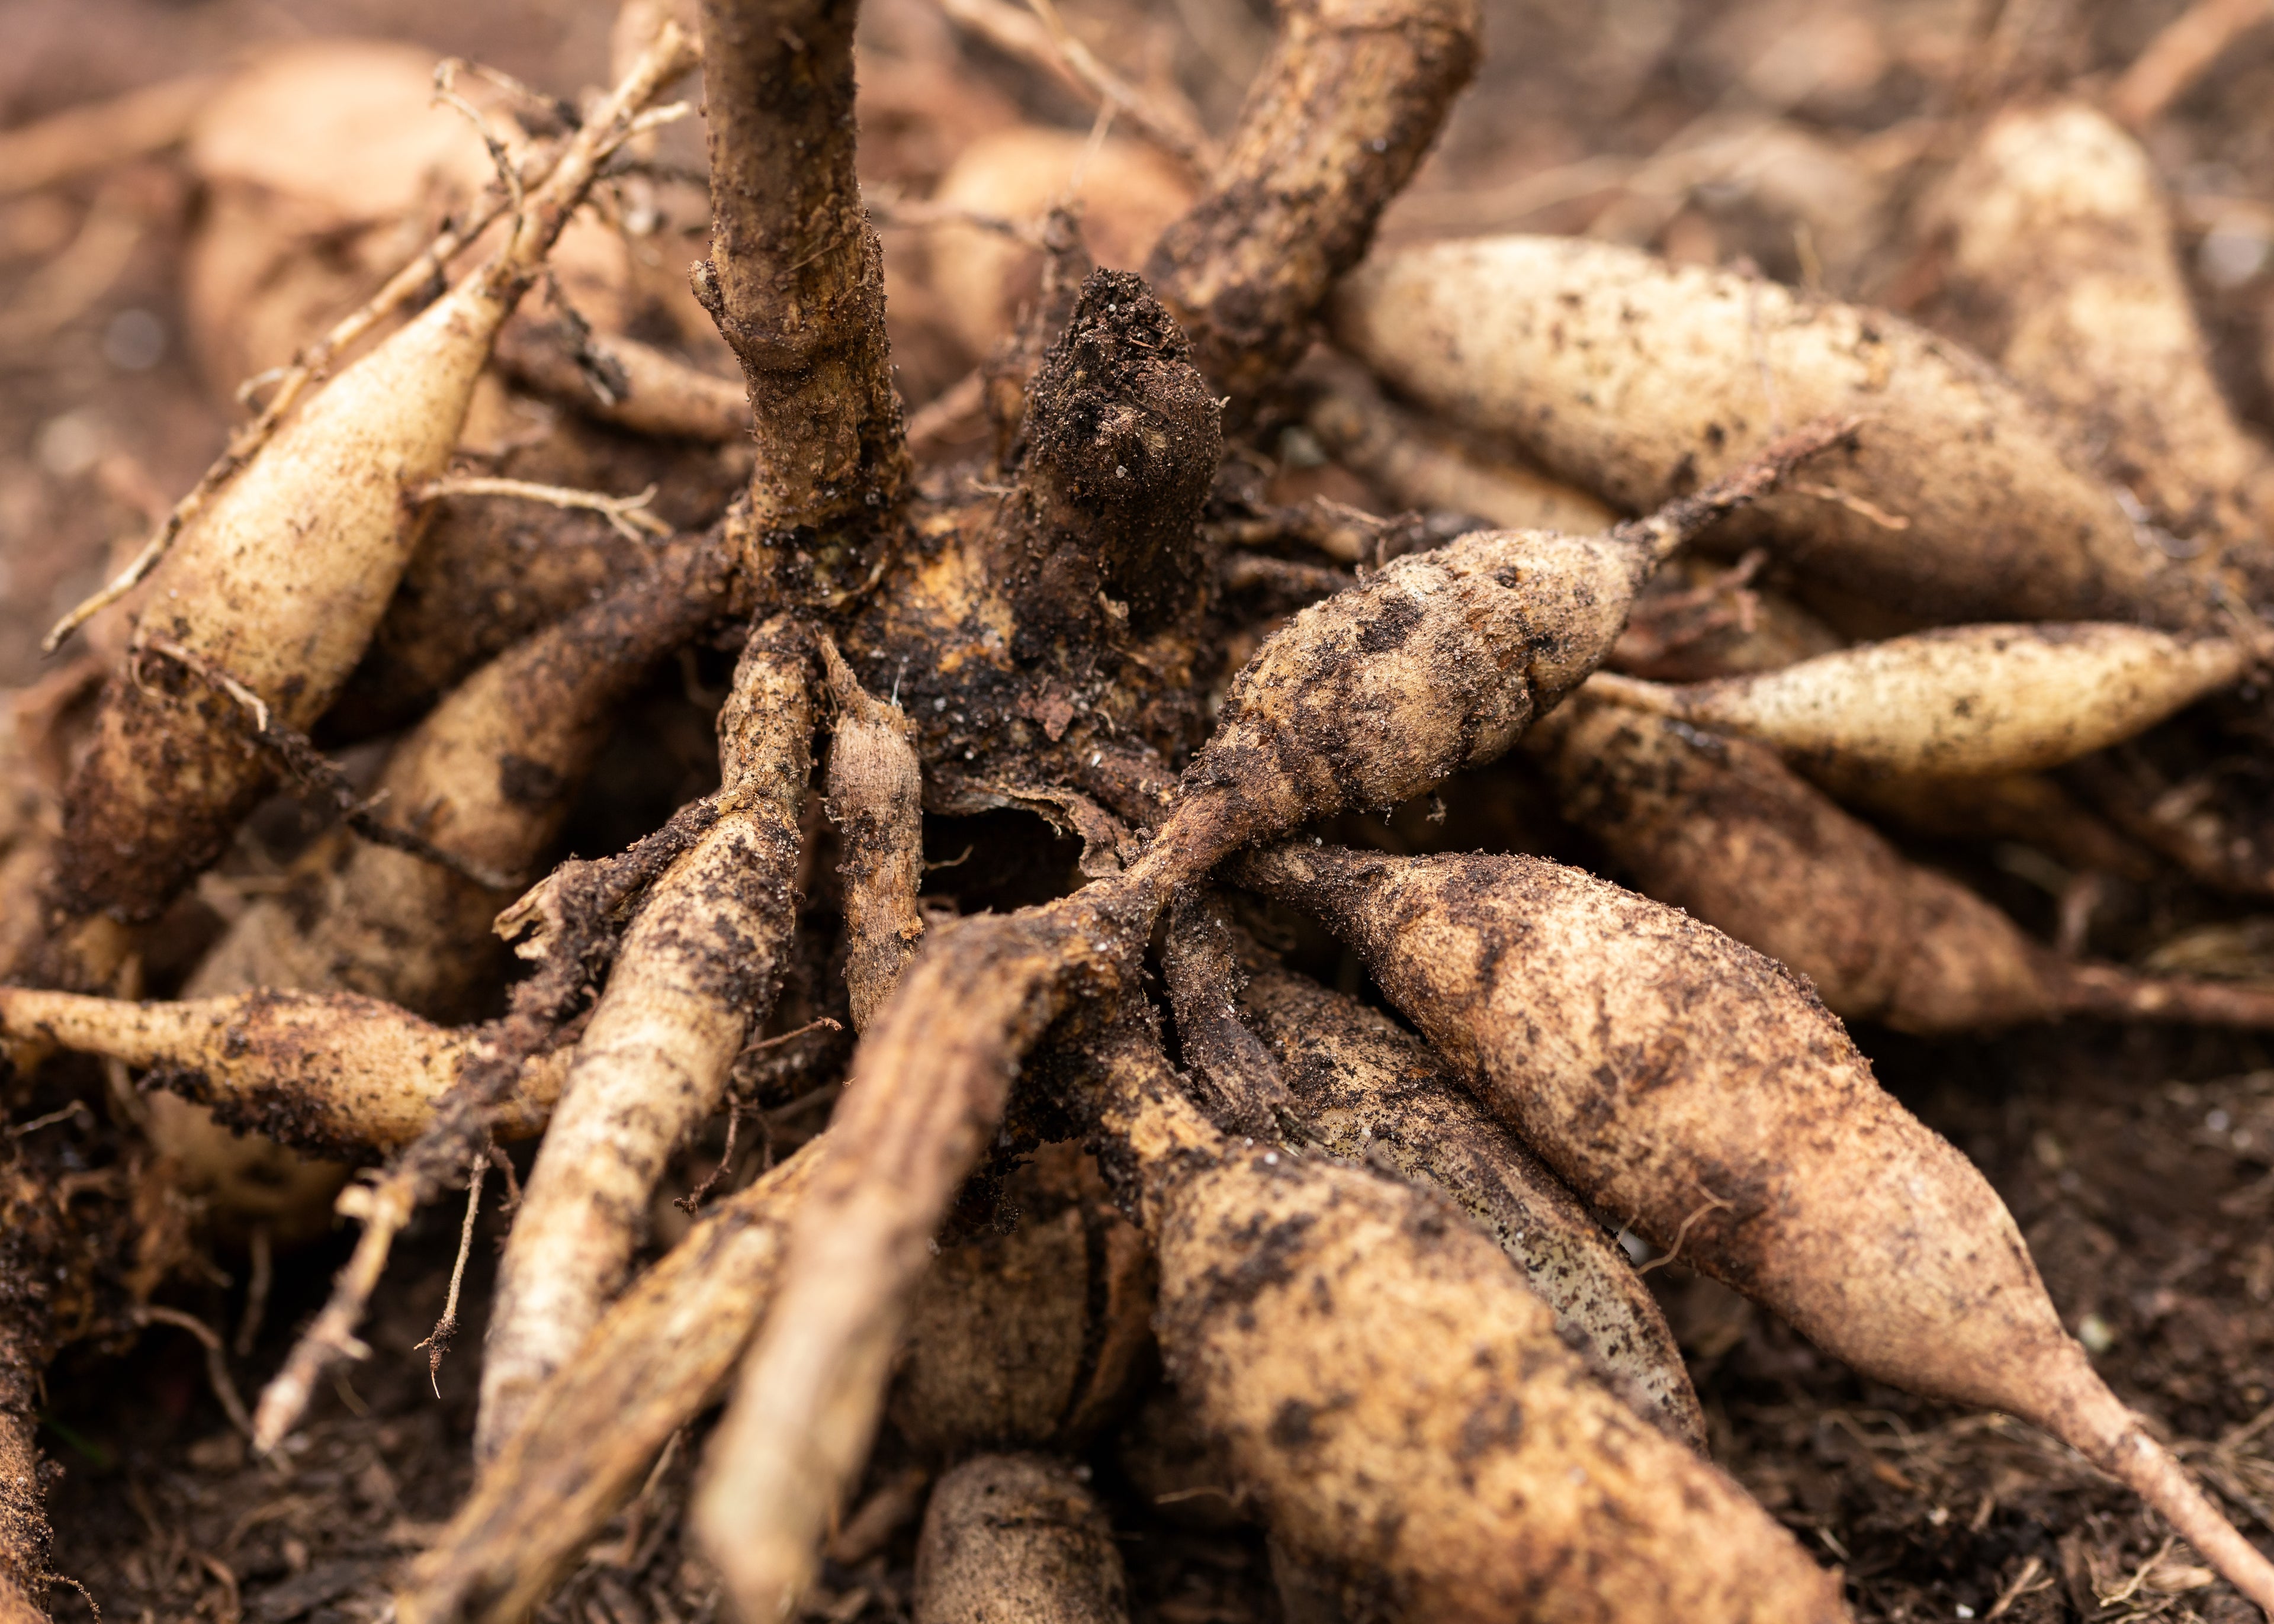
{"x":279,"y":583}
{"x":1723,"y":828}
{"x":1635,"y":380}
{"x":1401,"y":1404}
{"x":2062,"y":270}
{"x":1962,"y":701}
{"x":1367,"y":1090}
{"x":1671,"y":1073}
{"x":334,"y":1073}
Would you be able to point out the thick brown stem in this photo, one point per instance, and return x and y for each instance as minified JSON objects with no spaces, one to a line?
{"x":1350,"y":98}
{"x":795,"y":281}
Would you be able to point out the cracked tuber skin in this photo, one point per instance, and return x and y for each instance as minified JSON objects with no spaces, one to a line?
{"x":1673,"y":1074}
{"x":875,"y":796}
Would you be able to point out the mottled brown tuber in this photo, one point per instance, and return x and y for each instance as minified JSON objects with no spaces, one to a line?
{"x":1035,"y":1338}
{"x":1369,"y":1092}
{"x":1672,"y":1074}
{"x":1401,"y":1405}
{"x":1724,"y":830}
{"x":1018,"y":1539}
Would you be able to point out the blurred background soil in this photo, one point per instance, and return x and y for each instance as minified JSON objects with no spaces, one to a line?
{"x":1794,"y":134}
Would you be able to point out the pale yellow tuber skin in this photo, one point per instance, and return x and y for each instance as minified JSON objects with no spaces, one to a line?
{"x":1017,"y":1539}
{"x":2062,"y":269}
{"x":1724,"y":830}
{"x":487,"y":777}
{"x":1369,"y":1092}
{"x":334,"y":1074}
{"x":1400,"y":1403}
{"x":1674,"y":1075}
{"x":697,"y":972}
{"x":1636,"y":379}
{"x":1965,"y":701}
{"x":280,"y":582}
{"x":875,"y":792}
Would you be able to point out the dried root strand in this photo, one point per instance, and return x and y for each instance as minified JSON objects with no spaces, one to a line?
{"x":876,"y":798}
{"x":661,"y":1352}
{"x":571,"y":921}
{"x":698,"y":968}
{"x":1401,"y":1404}
{"x":1724,"y":830}
{"x":1962,"y":701}
{"x":333,"y":1073}
{"x":1340,"y":115}
{"x":929,"y":1087}
{"x":1729,"y":1112}
{"x":1018,"y":1539}
{"x":623,"y":382}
